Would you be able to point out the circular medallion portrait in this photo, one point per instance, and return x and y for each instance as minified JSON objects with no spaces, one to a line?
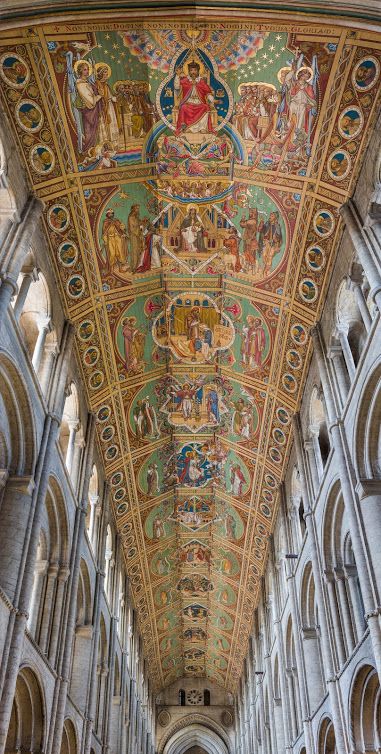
{"x":279,"y":436}
{"x":107,"y":433}
{"x":67,"y":254}
{"x":298,"y":334}
{"x":308,"y":290}
{"x":324,"y":223}
{"x":116,"y":479}
{"x":350,"y":122}
{"x":315,"y":258}
{"x":86,"y":330}
{"x":270,"y":481}
{"x":91,"y":356}
{"x":268,"y":496}
{"x":96,"y":380}
{"x":58,"y":218}
{"x":122,"y":509}
{"x":119,"y":494}
{"x":275,"y":455}
{"x":339,"y":164}
{"x":104,"y":413}
{"x":111,"y":452}
{"x":75,"y":286}
{"x":289,"y":383}
{"x":366,"y":73}
{"x":283,"y":416}
{"x":42,"y":159}
{"x":29,"y":116}
{"x":265,"y":510}
{"x":293,"y":359}
{"x":14,"y":70}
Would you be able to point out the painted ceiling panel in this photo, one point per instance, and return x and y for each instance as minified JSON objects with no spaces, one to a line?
{"x":192,"y":175}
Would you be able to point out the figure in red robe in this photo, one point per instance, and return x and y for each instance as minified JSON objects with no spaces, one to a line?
{"x":196,"y":102}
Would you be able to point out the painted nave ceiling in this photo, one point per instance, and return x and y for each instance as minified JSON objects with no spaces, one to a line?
{"x":192,"y":174}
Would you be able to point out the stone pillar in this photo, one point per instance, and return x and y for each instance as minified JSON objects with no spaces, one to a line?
{"x":363,"y":249}
{"x":317,"y":570}
{"x":14,"y":517}
{"x":350,"y":572}
{"x":50,"y":352}
{"x":44,"y":327}
{"x":38,"y":581}
{"x":310,"y":448}
{"x":346,"y":475}
{"x":48,"y":606}
{"x":93,"y":500}
{"x":73,"y":429}
{"x":342,"y":332}
{"x":62,"y":577}
{"x":344,"y":610}
{"x":8,"y":289}
{"x":29,"y":276}
{"x":337,"y":625}
{"x":79,"y":527}
{"x":369,"y":496}
{"x":335,"y":355}
{"x":91,"y":698}
{"x":79,"y":445}
{"x":362,"y":305}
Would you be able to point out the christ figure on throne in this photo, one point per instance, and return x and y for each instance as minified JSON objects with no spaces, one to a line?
{"x":196,"y":101}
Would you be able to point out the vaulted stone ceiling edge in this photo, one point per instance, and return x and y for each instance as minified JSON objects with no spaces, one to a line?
{"x":192,"y":171}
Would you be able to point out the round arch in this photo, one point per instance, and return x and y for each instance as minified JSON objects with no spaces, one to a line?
{"x":191,"y":726}
{"x":193,"y":736}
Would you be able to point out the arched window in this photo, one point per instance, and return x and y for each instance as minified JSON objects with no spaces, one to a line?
{"x":341,"y":575}
{"x":350,"y":328}
{"x":181,"y":697}
{"x":35,"y":317}
{"x":69,"y":739}
{"x":320,"y":439}
{"x":27,"y":726}
{"x":71,"y":436}
{"x":206,"y":697}
{"x":311,"y":640}
{"x":91,"y":515}
{"x":327,"y":740}
{"x":365,"y":711}
{"x":108,"y":563}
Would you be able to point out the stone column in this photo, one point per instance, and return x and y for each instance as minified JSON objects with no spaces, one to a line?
{"x":310,"y":448}
{"x":363,"y":249}
{"x":317,"y":570}
{"x":335,"y":355}
{"x":78,"y":535}
{"x":73,"y":429}
{"x":350,"y":572}
{"x":342,"y":332}
{"x":44,"y":327}
{"x":29,"y":276}
{"x":48,"y":607}
{"x":46,"y":372}
{"x":337,"y":626}
{"x":344,"y":610}
{"x":62,"y":577}
{"x":39,"y":576}
{"x":362,"y":305}
{"x":91,"y":698}
{"x":14,"y":517}
{"x":369,"y":496}
{"x":346,"y":475}
{"x":93,"y":500}
{"x":282,"y":667}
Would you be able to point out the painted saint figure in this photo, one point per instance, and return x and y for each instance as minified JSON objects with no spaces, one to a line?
{"x":192,"y":233}
{"x":135,"y":234}
{"x":254,"y":342}
{"x":237,"y":480}
{"x":114,"y":237}
{"x":145,"y":420}
{"x":152,"y":479}
{"x":133,"y":345}
{"x":196,"y":101}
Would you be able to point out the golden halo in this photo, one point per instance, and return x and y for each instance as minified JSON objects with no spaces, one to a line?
{"x":192,"y":206}
{"x":306,"y":68}
{"x":103,"y":65}
{"x":83,"y":60}
{"x":285,"y":69}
